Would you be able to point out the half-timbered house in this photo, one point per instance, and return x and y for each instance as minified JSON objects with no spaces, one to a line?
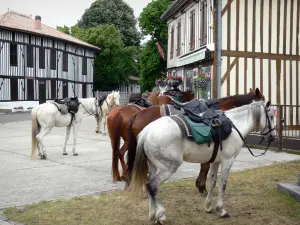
{"x":259,"y":47}
{"x":39,"y":63}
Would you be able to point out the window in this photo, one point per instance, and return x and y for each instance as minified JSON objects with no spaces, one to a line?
{"x":172,"y":43}
{"x":203,"y":22}
{"x":178,"y":38}
{"x":53,"y":89}
{"x":13,"y":54}
{"x":42,"y":58}
{"x":192,"y":30}
{"x":52,"y":59}
{"x":30,"y":89}
{"x":29,"y":56}
{"x":84,"y":66}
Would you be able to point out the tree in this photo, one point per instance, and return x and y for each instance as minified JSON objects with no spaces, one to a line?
{"x":151,"y":63}
{"x":64,"y":29}
{"x":115,"y":12}
{"x":150,"y":22}
{"x":115,"y":62}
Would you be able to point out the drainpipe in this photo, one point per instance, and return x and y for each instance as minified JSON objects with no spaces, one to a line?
{"x":219,"y":45}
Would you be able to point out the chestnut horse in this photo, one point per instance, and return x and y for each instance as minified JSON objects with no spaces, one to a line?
{"x":141,"y":119}
{"x":117,"y":121}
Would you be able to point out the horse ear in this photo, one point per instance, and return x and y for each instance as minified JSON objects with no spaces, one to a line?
{"x":157,"y":94}
{"x":251,"y":90}
{"x":257,"y":92}
{"x":147,"y":92}
{"x":268,"y":104}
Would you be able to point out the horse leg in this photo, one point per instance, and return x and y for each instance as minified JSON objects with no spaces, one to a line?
{"x":124,"y":167}
{"x":39,"y":137}
{"x":68,"y":129}
{"x":225,"y":169}
{"x":75,"y":131}
{"x":97,"y":123}
{"x":201,"y":180}
{"x":213,"y":180}
{"x":104,"y":124}
{"x":157,"y":212}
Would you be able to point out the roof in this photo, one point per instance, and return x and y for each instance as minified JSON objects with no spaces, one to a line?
{"x":21,"y":22}
{"x":176,"y":6}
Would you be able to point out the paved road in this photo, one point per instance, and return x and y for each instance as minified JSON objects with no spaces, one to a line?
{"x":14,"y":117}
{"x":23,"y":181}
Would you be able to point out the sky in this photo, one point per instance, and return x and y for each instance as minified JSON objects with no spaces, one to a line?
{"x":59,"y":12}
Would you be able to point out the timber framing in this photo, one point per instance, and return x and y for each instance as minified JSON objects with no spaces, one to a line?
{"x":261,"y":48}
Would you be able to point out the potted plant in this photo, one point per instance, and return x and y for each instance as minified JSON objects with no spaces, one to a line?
{"x":201,"y":82}
{"x":161,"y":82}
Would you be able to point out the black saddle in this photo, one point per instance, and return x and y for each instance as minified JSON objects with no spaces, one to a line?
{"x":101,"y":99}
{"x":195,"y":106}
{"x":143,"y":103}
{"x":221,"y":126}
{"x":72,"y":103}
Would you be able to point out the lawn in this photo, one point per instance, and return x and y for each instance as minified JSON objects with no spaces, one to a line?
{"x":251,"y":198}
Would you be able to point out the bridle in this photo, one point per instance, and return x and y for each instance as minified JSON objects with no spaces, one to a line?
{"x":269,"y":138}
{"x":96,"y":113}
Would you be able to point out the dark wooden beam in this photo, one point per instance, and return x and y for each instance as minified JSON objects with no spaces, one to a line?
{"x":227,"y":74}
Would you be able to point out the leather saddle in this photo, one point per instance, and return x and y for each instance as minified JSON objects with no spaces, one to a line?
{"x":195,"y":106}
{"x":101,"y":99}
{"x":143,"y":103}
{"x":220,"y":125}
{"x":72,"y":103}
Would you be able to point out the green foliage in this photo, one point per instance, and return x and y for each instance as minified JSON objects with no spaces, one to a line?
{"x":150,"y":21}
{"x":151,"y":63}
{"x":115,"y":62}
{"x":64,"y":29}
{"x":115,"y":12}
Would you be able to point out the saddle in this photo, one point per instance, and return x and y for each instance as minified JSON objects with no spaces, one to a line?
{"x":72,"y":104}
{"x":101,"y":99}
{"x":194,"y":106}
{"x":211,"y":125}
{"x":142,"y":103}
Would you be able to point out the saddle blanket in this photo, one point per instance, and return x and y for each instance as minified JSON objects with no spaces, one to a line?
{"x":204,"y":128}
{"x":63,"y":108}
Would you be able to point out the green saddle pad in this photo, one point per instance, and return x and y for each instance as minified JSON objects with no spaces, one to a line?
{"x":200,"y":131}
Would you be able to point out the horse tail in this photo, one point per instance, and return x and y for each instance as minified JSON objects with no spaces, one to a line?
{"x":131,"y":143}
{"x":140,"y":167}
{"x":34,"y":132}
{"x":114,"y":129}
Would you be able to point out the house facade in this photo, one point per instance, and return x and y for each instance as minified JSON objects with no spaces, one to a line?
{"x":39,"y":63}
{"x":259,"y":47}
{"x":190,"y":40}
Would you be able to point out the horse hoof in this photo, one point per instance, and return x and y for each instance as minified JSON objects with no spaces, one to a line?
{"x":225,"y":214}
{"x":65,"y":153}
{"x":104,"y":134}
{"x":43,"y":157}
{"x":97,"y":131}
{"x":76,"y":154}
{"x":124,"y":178}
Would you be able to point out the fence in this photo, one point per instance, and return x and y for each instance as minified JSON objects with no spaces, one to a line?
{"x":124,"y":96}
{"x":287,"y":128}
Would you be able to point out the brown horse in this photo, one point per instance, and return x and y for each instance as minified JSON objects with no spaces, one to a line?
{"x":117,"y":121}
{"x":141,"y":119}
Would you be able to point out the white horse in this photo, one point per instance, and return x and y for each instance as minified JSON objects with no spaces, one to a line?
{"x":162,"y":144}
{"x":46,"y":116}
{"x":163,"y":90}
{"x":112,"y":100}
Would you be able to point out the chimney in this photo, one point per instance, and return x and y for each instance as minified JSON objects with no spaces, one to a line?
{"x":37,"y":22}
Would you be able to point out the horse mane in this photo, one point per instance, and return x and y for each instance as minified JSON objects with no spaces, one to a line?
{"x":242,"y":108}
